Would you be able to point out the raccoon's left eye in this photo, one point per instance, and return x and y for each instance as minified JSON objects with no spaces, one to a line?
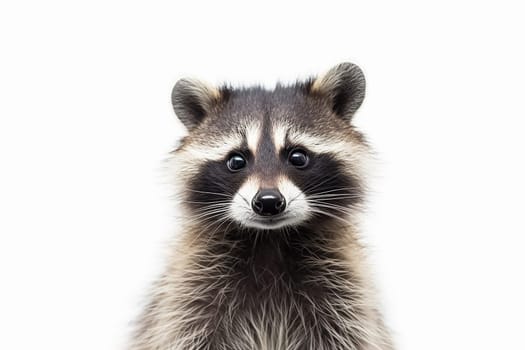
{"x":236,"y":162}
{"x":298,"y":158}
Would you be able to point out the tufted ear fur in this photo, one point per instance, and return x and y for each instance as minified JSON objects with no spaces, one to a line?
{"x":193,"y":100}
{"x":344,"y":86}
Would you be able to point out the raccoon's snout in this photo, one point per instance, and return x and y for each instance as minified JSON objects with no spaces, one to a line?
{"x":268,"y":202}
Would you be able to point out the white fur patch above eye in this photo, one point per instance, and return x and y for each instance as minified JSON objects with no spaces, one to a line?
{"x":283,"y":133}
{"x":279,"y":136}
{"x":321,"y":145}
{"x":253,"y":136}
{"x":215,"y":148}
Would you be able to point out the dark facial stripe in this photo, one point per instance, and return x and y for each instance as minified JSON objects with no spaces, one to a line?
{"x":214,"y":188}
{"x":326,"y":184}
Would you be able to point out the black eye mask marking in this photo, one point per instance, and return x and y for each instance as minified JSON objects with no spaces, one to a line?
{"x":326,"y":181}
{"x":215,"y":184}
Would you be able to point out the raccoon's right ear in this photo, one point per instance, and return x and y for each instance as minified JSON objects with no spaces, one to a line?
{"x":193,"y":100}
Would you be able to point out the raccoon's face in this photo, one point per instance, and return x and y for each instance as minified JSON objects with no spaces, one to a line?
{"x":271,"y":159}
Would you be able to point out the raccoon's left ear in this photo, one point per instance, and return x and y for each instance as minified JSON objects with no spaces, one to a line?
{"x":344,"y":86}
{"x":193,"y":100}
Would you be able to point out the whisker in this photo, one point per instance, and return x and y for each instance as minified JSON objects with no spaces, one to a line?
{"x":208,"y":213}
{"x":329,"y":205}
{"x":330,"y":215}
{"x":338,"y":189}
{"x":318,"y":184}
{"x":334,"y":196}
{"x":205,"y":203}
{"x":226,"y":194}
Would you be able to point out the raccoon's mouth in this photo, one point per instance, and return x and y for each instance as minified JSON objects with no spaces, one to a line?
{"x":272,"y":222}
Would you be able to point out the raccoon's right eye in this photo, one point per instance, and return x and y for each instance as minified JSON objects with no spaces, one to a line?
{"x":236,"y":162}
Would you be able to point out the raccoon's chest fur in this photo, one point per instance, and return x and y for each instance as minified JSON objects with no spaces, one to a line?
{"x":270,"y":291}
{"x":283,"y":294}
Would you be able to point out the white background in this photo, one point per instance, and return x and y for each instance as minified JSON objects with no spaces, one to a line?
{"x":86,"y":120}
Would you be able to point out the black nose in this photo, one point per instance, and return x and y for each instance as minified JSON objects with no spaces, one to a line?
{"x":268,"y":202}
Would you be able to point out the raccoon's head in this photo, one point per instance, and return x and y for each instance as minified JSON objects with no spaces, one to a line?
{"x":269,"y":159}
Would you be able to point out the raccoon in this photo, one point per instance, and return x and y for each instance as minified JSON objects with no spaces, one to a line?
{"x":271,"y":184}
